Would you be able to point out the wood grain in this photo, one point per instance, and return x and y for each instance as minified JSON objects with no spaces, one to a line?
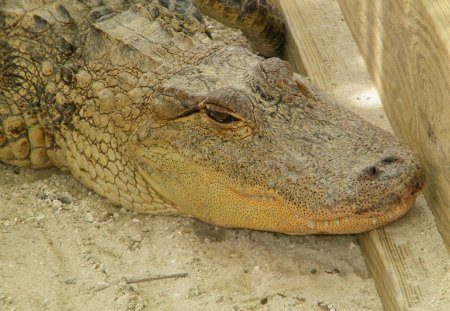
{"x":406,"y":45}
{"x":308,"y":49}
{"x":407,"y":259}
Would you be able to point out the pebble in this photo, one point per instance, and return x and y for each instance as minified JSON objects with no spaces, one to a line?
{"x":332,"y":271}
{"x":65,"y":199}
{"x":136,"y":237}
{"x":89,"y":217}
{"x":56,"y":204}
{"x":40,"y":216}
{"x":106,"y":216}
{"x":70,"y":281}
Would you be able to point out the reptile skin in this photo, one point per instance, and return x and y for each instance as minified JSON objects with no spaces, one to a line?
{"x":137,"y":102}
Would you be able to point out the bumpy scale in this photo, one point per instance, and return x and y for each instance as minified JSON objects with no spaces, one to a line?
{"x":137,"y":101}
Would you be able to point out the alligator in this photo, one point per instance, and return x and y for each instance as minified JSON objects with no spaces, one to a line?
{"x":137,"y":101}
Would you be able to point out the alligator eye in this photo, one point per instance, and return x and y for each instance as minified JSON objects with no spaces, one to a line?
{"x":221,"y":117}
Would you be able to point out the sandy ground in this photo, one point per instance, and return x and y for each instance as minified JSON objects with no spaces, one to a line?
{"x":65,"y":248}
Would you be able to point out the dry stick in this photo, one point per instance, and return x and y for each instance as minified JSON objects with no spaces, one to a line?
{"x":155,"y":278}
{"x":134,"y":280}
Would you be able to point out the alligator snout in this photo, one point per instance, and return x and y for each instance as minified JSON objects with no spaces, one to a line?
{"x":389,"y":183}
{"x":396,"y":167}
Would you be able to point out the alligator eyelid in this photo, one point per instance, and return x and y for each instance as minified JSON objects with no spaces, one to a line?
{"x":220,"y":109}
{"x":189,"y":113}
{"x":221,"y":117}
{"x":211,"y":105}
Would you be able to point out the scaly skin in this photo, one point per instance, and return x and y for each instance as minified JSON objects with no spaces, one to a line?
{"x":140,"y":105}
{"x":259,"y":20}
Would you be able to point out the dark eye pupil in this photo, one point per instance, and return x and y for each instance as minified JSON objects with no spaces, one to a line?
{"x":220,"y":117}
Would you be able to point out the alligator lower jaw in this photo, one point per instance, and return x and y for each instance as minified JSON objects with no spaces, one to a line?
{"x":267,"y":211}
{"x":361,"y":223}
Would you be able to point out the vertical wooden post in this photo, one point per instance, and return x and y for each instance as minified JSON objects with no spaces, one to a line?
{"x":408,"y":260}
{"x":406,"y":46}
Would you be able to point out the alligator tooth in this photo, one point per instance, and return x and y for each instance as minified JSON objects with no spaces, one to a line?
{"x":337,"y":222}
{"x":325,"y":223}
{"x":374,"y":220}
{"x":311,"y":224}
{"x":389,"y":215}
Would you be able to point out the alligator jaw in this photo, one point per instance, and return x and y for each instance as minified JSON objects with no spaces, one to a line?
{"x":297,"y":221}
{"x":216,"y":199}
{"x":361,"y":223}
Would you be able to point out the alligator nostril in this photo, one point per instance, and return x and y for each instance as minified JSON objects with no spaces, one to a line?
{"x":390,"y":159}
{"x":372,"y":171}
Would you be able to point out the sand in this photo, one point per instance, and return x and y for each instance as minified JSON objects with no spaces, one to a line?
{"x":63,"y":247}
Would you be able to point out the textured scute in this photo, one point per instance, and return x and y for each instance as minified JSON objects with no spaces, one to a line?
{"x":260,"y":21}
{"x":138,"y":102}
{"x":30,"y":54}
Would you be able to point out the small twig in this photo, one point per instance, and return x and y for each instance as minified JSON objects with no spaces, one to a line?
{"x":105,"y":286}
{"x":155,"y":278}
{"x":134,"y":280}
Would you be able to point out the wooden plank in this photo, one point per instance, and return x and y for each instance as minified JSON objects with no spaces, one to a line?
{"x":407,"y":259}
{"x":406,"y":45}
{"x":409,"y":263}
{"x":308,"y":49}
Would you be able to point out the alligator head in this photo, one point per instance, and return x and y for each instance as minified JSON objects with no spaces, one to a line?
{"x":238,"y":141}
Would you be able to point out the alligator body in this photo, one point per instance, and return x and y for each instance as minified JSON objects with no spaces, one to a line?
{"x":137,"y":101}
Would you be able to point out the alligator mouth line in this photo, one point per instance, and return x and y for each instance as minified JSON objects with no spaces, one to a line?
{"x":367,"y":221}
{"x":348,"y":223}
